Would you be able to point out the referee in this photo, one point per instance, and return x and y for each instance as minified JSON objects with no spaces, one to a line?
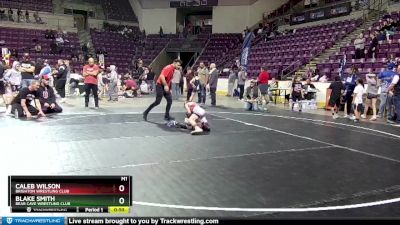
{"x":163,"y":87}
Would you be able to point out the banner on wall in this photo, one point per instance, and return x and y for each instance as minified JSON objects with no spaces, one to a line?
{"x":322,"y":13}
{"x":246,"y":49}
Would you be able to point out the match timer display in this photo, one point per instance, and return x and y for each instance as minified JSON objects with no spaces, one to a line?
{"x":75,"y":194}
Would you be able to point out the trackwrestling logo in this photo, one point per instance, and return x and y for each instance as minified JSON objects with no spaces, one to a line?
{"x":9,"y":220}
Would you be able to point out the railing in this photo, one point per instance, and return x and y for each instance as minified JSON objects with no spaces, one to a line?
{"x":201,"y":52}
{"x":191,"y":62}
{"x":283,"y":75}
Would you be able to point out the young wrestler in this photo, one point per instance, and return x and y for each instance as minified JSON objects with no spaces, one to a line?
{"x":196,"y":118}
{"x":297,"y":93}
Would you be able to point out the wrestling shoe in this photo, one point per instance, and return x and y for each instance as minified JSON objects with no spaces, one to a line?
{"x":335,"y":116}
{"x":197,"y":130}
{"x":363,"y":116}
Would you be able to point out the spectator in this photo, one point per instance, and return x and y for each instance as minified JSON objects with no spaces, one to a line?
{"x":90,"y":72}
{"x":373,"y":46}
{"x":19,"y":15}
{"x":263,"y":78}
{"x":14,"y":53}
{"x":372,"y":95}
{"x":350,"y":84}
{"x":21,"y":105}
{"x":385,"y":79}
{"x":27,"y":17}
{"x":392,"y":60}
{"x":130,"y":88}
{"x":203,"y":74}
{"x":61,"y":75}
{"x":358,"y":100}
{"x":395,"y":89}
{"x":359,"y":44}
{"x":309,"y":90}
{"x":213,"y":83}
{"x":233,"y":76}
{"x":46,"y":71}
{"x":161,"y":32}
{"x":113,"y":86}
{"x":307,"y":3}
{"x":252,"y":97}
{"x":38,"y":48}
{"x":195,"y":83}
{"x":37,"y":18}
{"x":150,"y":79}
{"x":189,"y":76}
{"x":74,"y":81}
{"x":3,"y":15}
{"x":13,"y":77}
{"x":2,"y":84}
{"x":242,"y":77}
{"x":10,"y":15}
{"x":27,"y":70}
{"x":47,"y":98}
{"x":175,"y":83}
{"x":336,"y":93}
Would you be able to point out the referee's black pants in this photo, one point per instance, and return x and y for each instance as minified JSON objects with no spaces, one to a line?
{"x":160,"y":93}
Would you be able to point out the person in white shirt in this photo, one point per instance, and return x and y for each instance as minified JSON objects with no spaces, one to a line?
{"x":113,"y":85}
{"x":359,"y":45}
{"x":358,"y":99}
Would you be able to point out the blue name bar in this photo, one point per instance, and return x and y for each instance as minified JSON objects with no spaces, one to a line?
{"x":32,"y":220}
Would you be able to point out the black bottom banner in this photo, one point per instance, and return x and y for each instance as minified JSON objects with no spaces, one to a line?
{"x":206,"y":221}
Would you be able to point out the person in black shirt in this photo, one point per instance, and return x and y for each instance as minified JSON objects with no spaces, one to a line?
{"x":47,"y":97}
{"x":309,"y":90}
{"x":27,"y":16}
{"x":10,"y":15}
{"x":2,"y":87}
{"x":27,"y":70}
{"x":337,"y":88}
{"x":61,"y":79}
{"x":21,"y":105}
{"x":372,"y":48}
{"x":19,"y":15}
{"x":150,"y":79}
{"x":297,"y":93}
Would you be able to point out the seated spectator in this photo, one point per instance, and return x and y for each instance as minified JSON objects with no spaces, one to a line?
{"x":252,"y":97}
{"x":27,"y":17}
{"x":307,"y":3}
{"x":38,"y":48}
{"x":130,"y":88}
{"x":59,"y":40}
{"x":47,"y":98}
{"x":75,"y":79}
{"x":309,"y":90}
{"x":21,"y":105}
{"x":392,"y":60}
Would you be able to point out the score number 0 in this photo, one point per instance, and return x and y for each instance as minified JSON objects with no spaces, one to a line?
{"x":121,"y":188}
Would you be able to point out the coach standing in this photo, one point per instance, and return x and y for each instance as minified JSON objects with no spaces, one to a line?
{"x":90,"y":72}
{"x":163,"y":88}
{"x":213,"y":83}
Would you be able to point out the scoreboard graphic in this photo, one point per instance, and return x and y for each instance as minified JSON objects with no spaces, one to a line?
{"x":70,"y":194}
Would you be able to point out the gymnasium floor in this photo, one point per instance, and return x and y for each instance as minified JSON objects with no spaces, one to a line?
{"x":252,"y":165}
